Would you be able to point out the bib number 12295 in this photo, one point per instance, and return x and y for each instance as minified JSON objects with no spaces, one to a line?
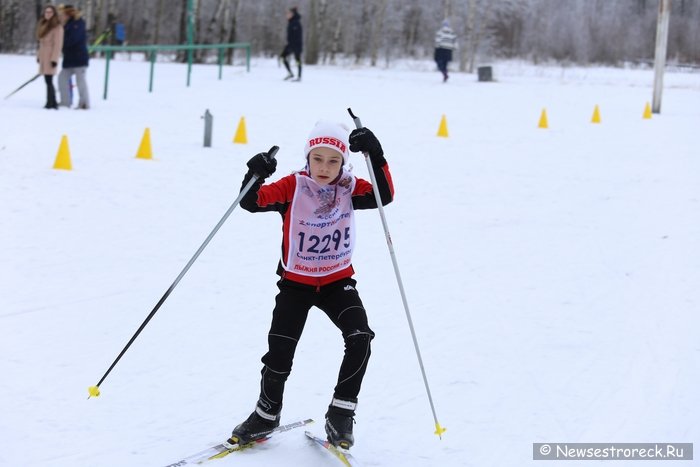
{"x":325,"y":243}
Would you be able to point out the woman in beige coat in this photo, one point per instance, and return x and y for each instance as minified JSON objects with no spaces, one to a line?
{"x":49,"y":31}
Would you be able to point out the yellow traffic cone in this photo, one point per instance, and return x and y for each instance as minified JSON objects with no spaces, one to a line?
{"x":240,"y":136}
{"x":596,"y":115}
{"x":543,"y":120}
{"x":442,"y":130}
{"x":145,"y":151}
{"x":63,"y":155}
{"x":647,"y":112}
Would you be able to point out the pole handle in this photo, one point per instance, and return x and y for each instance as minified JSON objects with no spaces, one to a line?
{"x":358,"y":123}
{"x":272,"y":152}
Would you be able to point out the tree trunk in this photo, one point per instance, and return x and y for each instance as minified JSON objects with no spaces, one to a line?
{"x":111,"y":20}
{"x":412,"y":25}
{"x":182,"y":36}
{"x":335,"y":43}
{"x":9,"y":16}
{"x":216,"y":19}
{"x":316,"y":29}
{"x":97,"y":18}
{"x":360,"y":42}
{"x":465,"y":59}
{"x":376,"y":29}
{"x":233,"y":32}
{"x":447,"y":6}
{"x":199,"y":33}
{"x":486,"y":13}
{"x":39,"y":6}
{"x":159,"y":17}
{"x":87,"y":15}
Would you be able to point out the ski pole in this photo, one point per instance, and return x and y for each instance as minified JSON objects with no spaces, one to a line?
{"x":95,"y":390}
{"x":22,"y":86}
{"x":439,"y":430}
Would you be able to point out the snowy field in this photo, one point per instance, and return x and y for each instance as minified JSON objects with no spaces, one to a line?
{"x":552,"y":275}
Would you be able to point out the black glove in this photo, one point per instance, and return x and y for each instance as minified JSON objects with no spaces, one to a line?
{"x":262,"y":165}
{"x":53,"y":64}
{"x":363,"y":140}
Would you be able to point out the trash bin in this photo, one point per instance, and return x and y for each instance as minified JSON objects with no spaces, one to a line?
{"x":485,"y":73}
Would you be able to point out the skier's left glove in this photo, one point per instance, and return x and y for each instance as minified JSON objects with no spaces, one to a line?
{"x":262,"y":165}
{"x":363,"y":140}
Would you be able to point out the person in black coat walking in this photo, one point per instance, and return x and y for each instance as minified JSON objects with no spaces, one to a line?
{"x":294,"y":42}
{"x":75,"y":59}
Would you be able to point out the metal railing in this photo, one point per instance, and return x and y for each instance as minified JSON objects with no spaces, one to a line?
{"x":152,"y":51}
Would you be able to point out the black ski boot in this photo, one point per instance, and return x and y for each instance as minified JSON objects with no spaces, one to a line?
{"x":339,"y":422}
{"x":258,"y":425}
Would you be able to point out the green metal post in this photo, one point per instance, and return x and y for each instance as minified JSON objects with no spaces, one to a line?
{"x":153,"y":63}
{"x":108,"y":56}
{"x":190,"y":37}
{"x":153,"y":50}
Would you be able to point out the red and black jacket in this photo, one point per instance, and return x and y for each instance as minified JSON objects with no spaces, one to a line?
{"x":278,"y":196}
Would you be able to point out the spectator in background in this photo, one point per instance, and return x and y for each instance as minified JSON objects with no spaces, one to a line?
{"x":75,"y":59}
{"x":294,"y":42}
{"x":119,"y":34}
{"x":117,"y":30}
{"x":50,"y":35}
{"x":445,"y":43}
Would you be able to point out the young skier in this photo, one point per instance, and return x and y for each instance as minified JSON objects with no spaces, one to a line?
{"x":316,"y":205}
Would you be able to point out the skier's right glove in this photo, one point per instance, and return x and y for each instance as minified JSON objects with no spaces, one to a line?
{"x":262,"y":165}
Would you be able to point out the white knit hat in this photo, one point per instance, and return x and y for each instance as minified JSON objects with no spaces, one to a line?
{"x":328,"y":135}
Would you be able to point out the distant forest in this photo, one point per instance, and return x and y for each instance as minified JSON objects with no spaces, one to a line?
{"x":378,"y":32}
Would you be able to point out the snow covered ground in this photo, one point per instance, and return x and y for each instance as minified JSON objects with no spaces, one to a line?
{"x":552,"y":275}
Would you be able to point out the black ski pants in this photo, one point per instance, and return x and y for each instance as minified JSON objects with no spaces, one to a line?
{"x":342,"y":304}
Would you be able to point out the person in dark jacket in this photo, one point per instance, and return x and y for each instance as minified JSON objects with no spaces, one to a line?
{"x":75,"y":58}
{"x":294,"y":42}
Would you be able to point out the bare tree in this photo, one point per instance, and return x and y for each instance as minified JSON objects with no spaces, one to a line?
{"x":233,"y":31}
{"x":315,"y":31}
{"x":155,"y":38}
{"x":87,"y":15}
{"x":335,"y":41}
{"x":97,"y":27}
{"x":581,"y":31}
{"x":377,"y":25}
{"x":412,"y":21}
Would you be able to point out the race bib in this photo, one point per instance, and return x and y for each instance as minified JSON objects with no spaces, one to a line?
{"x":322,"y":227}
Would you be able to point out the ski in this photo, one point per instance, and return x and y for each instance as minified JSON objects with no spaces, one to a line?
{"x":219,"y":451}
{"x":341,"y":454}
